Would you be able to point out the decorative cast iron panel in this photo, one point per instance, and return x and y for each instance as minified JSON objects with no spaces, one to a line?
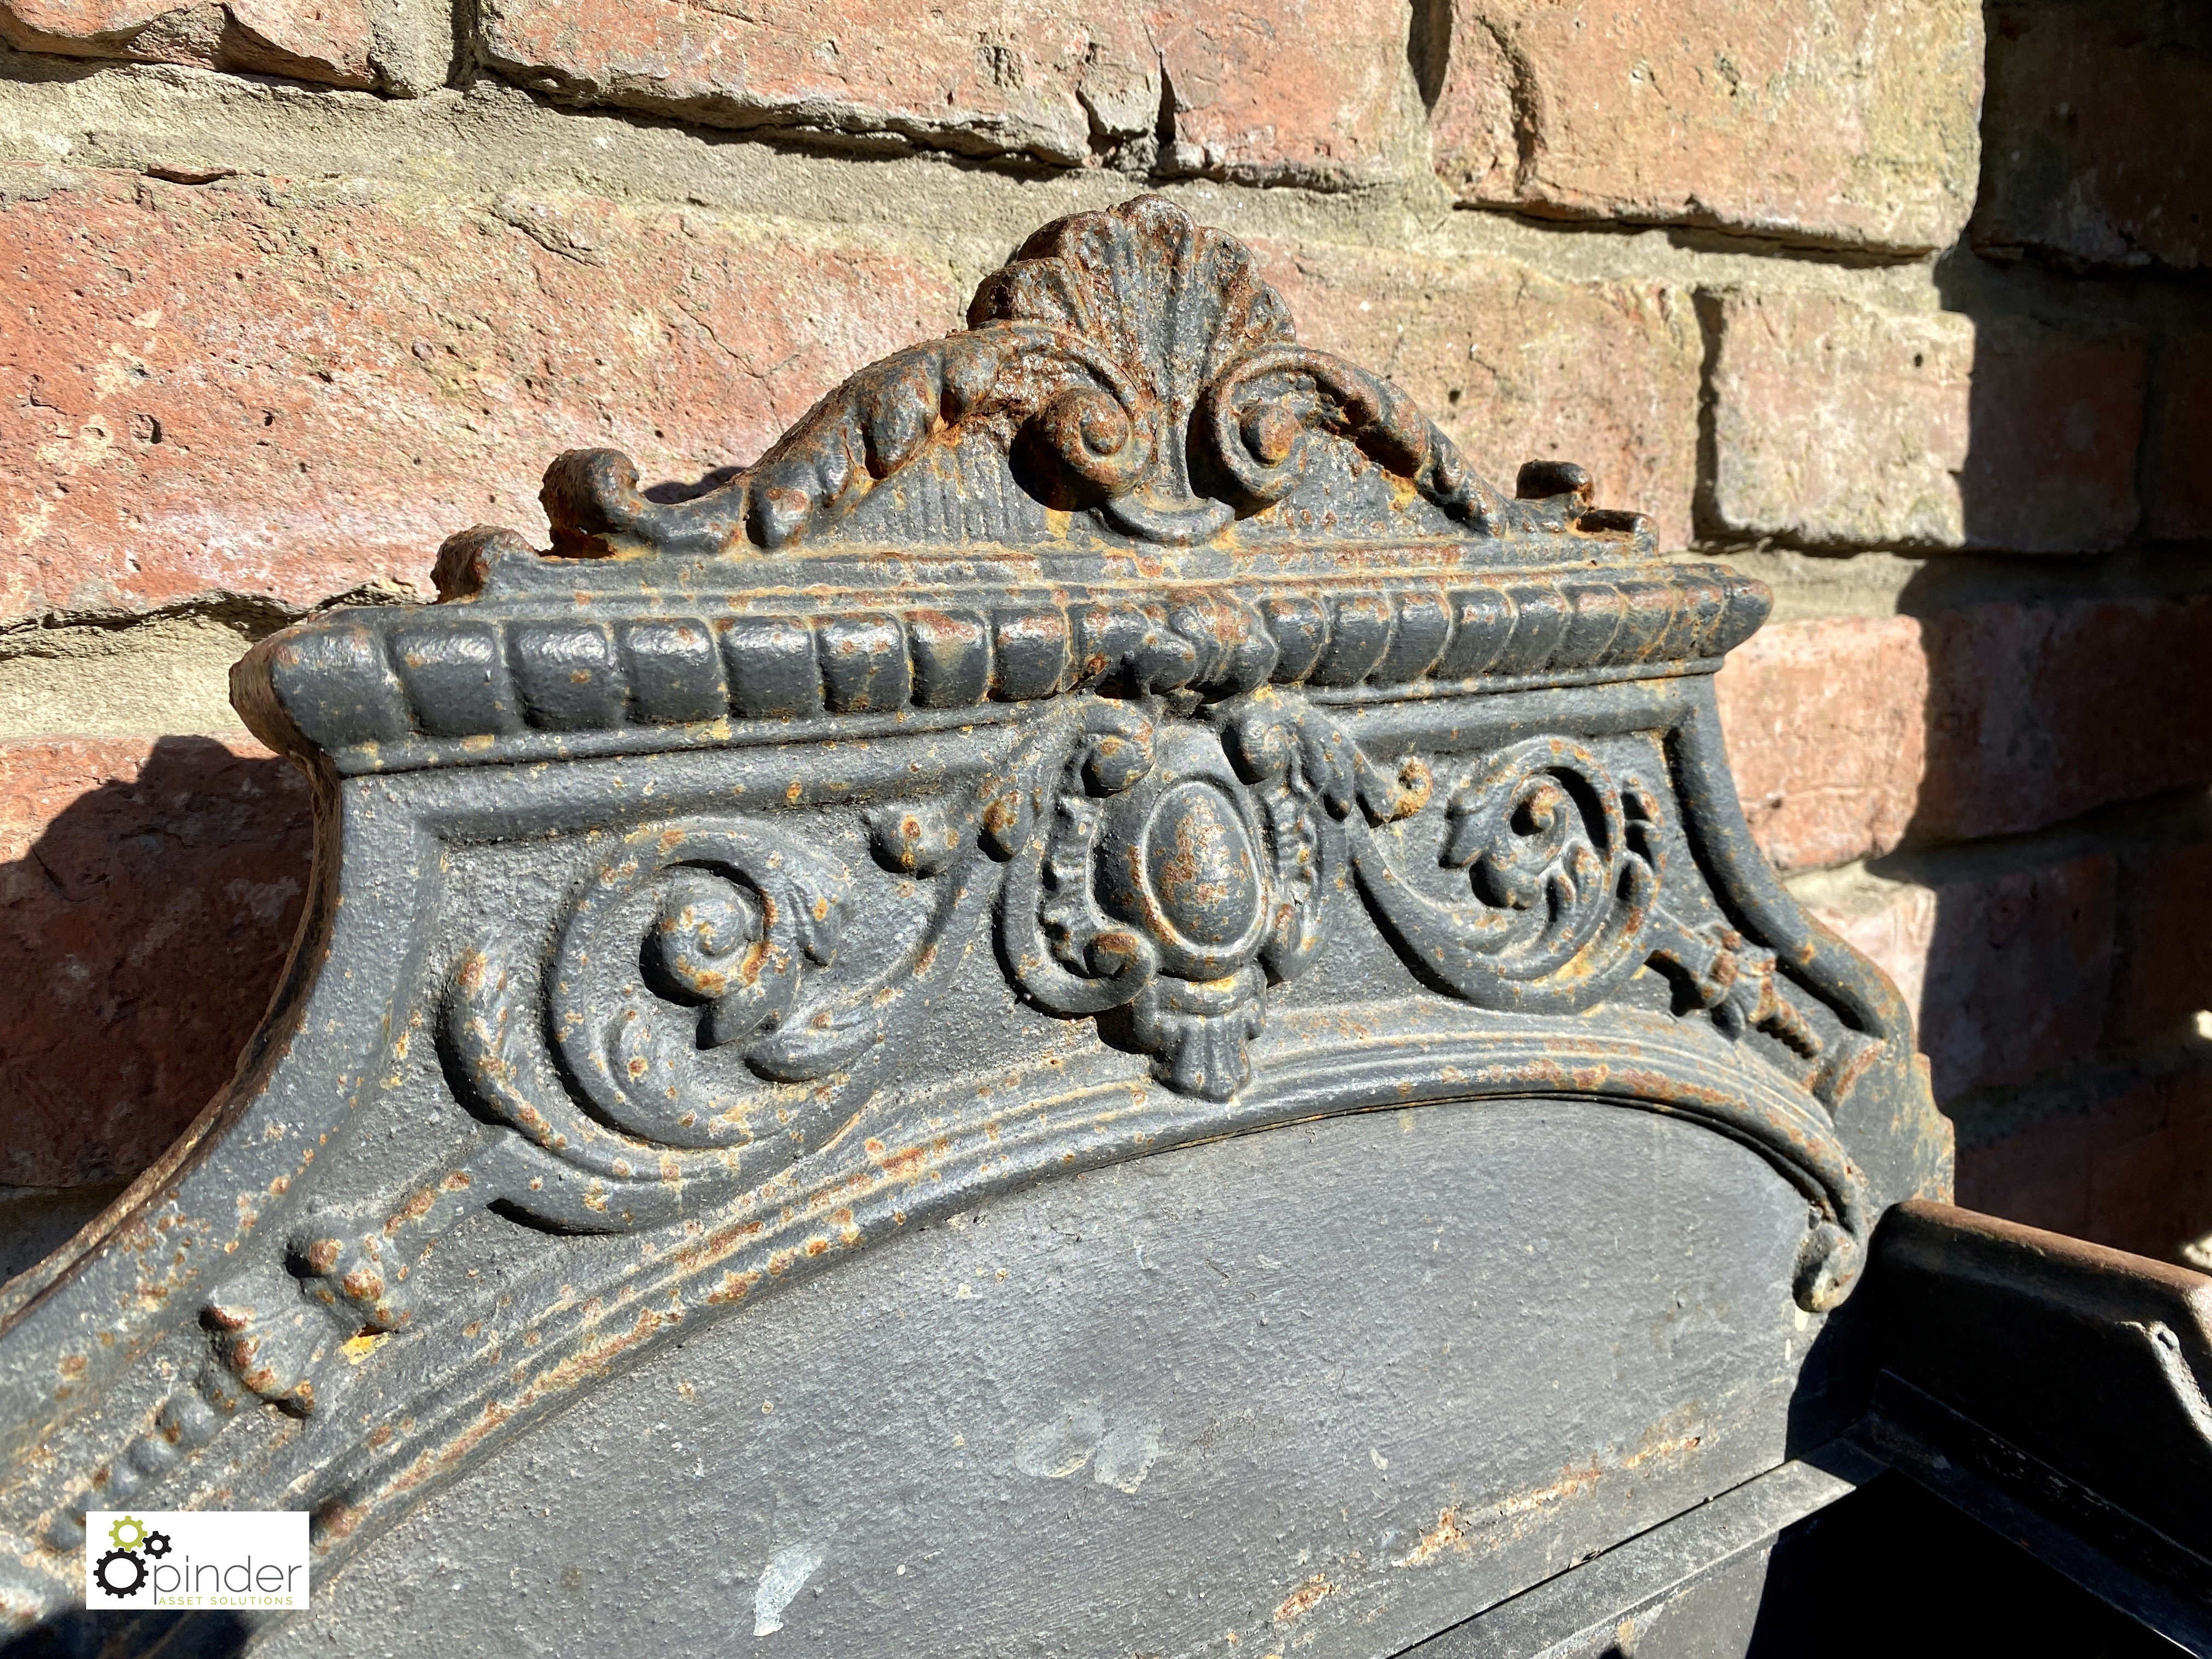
{"x":1110,"y":727}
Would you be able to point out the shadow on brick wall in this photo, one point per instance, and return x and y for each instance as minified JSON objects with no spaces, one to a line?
{"x":142,"y":933}
{"x":2060,"y":818}
{"x":2063,"y":837}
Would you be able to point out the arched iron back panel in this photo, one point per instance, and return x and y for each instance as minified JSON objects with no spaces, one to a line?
{"x":1107,"y":730}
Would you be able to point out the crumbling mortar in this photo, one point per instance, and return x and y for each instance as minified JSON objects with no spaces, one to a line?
{"x":1888,"y":582}
{"x":2116,"y":830}
{"x":52,"y":632}
{"x":105,"y":673}
{"x":1696,"y":235}
{"x":2080,"y":1088}
{"x":253,"y":616}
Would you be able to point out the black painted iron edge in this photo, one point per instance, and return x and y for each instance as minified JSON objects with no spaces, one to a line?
{"x":2163,"y":1585}
{"x":1593,"y":1596}
{"x":518,"y":573}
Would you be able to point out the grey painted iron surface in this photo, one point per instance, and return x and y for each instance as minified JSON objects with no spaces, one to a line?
{"x":1105,"y":731}
{"x":1248,"y":1387}
{"x":1690,"y":1588}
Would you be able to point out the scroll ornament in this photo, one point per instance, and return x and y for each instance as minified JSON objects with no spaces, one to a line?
{"x":1129,"y":360}
{"x":1157,"y":870}
{"x":1165,"y":820}
{"x":1161,"y":873}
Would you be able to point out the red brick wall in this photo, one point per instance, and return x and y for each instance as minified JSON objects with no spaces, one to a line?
{"x":1901,"y":304}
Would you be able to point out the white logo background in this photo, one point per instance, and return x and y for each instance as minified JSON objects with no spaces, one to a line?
{"x":181,"y":1558}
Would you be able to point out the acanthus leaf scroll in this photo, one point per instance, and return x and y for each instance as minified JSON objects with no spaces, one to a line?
{"x":1151,"y":861}
{"x":1563,"y":864}
{"x":692,"y":942}
{"x":1163,"y":871}
{"x":695,"y":970}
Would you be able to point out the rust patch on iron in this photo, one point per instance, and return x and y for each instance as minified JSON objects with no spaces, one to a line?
{"x":1304,"y":1599}
{"x":1446,"y":1535}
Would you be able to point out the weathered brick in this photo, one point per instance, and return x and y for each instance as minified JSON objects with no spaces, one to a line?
{"x":1837,"y":425}
{"x":327,"y":40}
{"x":1851,"y":735}
{"x":1316,"y":92}
{"x":2165,"y":978}
{"x":2038,"y":712}
{"x":2178,"y":469}
{"x":149,"y":889}
{"x":2096,"y":139}
{"x":2057,"y":419}
{"x":1826,"y":736}
{"x":970,"y":75}
{"x":2037,"y":1171}
{"x":1848,"y":122}
{"x":2151,"y":1192}
{"x":1516,"y":365}
{"x":2124,"y":1159}
{"x":289,"y":391}
{"x":1299,"y":91}
{"x":2008,"y":971}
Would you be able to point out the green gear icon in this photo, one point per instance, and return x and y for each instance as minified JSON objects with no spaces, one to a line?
{"x":135,"y":1528}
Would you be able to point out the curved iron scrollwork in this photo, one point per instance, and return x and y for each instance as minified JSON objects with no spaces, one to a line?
{"x":1088,"y":359}
{"x":1179,"y":878}
{"x":1256,"y":418}
{"x":692,"y":944}
{"x":1567,"y":868}
{"x":683,"y":988}
{"x":1162,"y":873}
{"x":1563,"y":862}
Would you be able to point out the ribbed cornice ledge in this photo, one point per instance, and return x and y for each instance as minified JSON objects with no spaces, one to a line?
{"x":478,"y":681}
